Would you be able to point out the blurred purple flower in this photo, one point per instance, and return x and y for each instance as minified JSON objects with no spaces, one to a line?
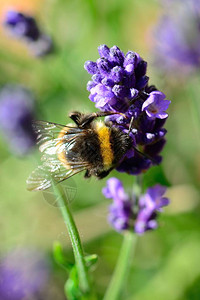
{"x":120,"y":210}
{"x":22,"y":26}
{"x":25,"y":27}
{"x":155,"y":106}
{"x":16,"y":116}
{"x":124,"y":212}
{"x":119,"y":83}
{"x":177,"y":36}
{"x":149,"y":205}
{"x":23,"y":272}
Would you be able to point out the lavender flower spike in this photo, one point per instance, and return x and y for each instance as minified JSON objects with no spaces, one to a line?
{"x":119,"y":83}
{"x":155,"y":105}
{"x":120,"y":210}
{"x":125,"y":214}
{"x":149,"y":205}
{"x":16,"y":116}
{"x":117,"y":78}
{"x":25,"y":27}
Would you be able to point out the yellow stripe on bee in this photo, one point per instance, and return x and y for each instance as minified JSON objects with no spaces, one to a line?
{"x":62,"y":155}
{"x":105,"y":146}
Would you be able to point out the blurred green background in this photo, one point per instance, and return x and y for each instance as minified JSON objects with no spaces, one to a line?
{"x":166,"y":262}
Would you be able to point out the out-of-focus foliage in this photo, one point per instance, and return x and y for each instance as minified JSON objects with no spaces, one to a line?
{"x":166,"y":264}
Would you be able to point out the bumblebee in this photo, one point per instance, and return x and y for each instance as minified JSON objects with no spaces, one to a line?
{"x":89,"y":145}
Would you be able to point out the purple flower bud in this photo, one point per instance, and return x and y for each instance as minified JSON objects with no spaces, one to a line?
{"x":104,"y":51}
{"x":116,"y":56}
{"x":142,"y":82}
{"x":141,"y":69}
{"x":120,"y":91}
{"x":133,"y":111}
{"x":91,"y":67}
{"x":149,"y":137}
{"x":130,"y":59}
{"x":104,"y":66}
{"x":117,"y":74}
{"x":107,"y":81}
{"x":152,"y":137}
{"x":133,"y":93}
{"x":97,"y":78}
{"x":129,"y":69}
{"x":129,"y":81}
{"x":90,"y":85}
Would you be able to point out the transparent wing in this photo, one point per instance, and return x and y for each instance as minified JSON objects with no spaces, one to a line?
{"x":41,"y":179}
{"x":48,"y":131}
{"x":53,"y":139}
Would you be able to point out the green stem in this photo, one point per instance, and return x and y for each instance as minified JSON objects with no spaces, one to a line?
{"x":83,"y":275}
{"x":119,"y":277}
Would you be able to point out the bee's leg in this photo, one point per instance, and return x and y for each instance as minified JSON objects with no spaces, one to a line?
{"x":145,"y":155}
{"x":103,"y":174}
{"x":87,"y":174}
{"x":108,"y":113}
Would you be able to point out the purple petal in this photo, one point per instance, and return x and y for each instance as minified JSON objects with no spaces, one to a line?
{"x":114,"y":189}
{"x":148,"y":102}
{"x":164,"y":104}
{"x":161,"y":115}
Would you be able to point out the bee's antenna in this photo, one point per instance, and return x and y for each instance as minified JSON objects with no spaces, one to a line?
{"x":130,"y":125}
{"x":146,"y":156}
{"x":108,"y":113}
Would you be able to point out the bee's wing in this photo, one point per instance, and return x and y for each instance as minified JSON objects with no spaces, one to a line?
{"x":47,"y":131}
{"x":40,"y":179}
{"x":52,"y":168}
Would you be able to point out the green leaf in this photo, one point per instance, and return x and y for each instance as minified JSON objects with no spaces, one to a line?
{"x":60,"y":258}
